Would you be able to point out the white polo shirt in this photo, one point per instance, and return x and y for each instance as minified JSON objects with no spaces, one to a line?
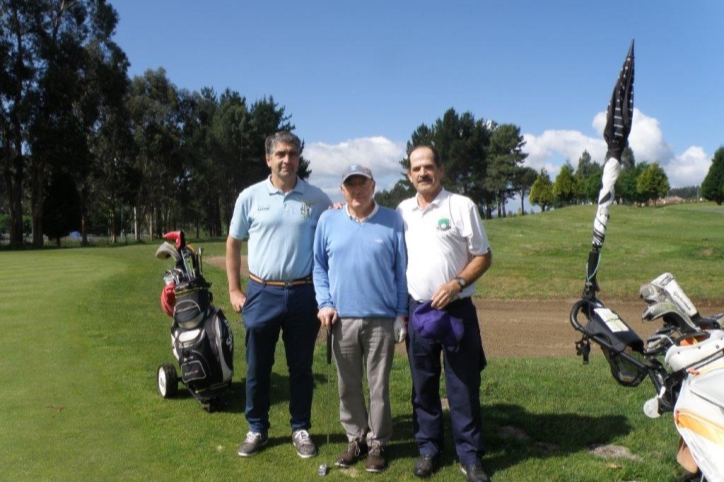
{"x":441,"y":240}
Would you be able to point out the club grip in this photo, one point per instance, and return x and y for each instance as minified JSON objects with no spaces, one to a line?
{"x":329,"y":346}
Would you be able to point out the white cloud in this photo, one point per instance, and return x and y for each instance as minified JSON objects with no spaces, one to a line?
{"x":689,"y":168}
{"x":328,"y":162}
{"x":551,"y":149}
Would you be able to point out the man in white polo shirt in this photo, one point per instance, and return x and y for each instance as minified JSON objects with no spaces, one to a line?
{"x":279,"y":215}
{"x":448,"y":250}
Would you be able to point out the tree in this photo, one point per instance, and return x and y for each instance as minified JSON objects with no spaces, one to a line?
{"x":541,"y":193}
{"x":522,"y":183}
{"x":628,"y":161}
{"x":505,"y":157}
{"x":652,"y":183}
{"x":565,"y":187}
{"x":44,"y":65}
{"x":686,"y":192}
{"x":392,"y":198}
{"x":588,"y":176}
{"x":625,"y":188}
{"x":712,"y":189}
{"x":154,"y":110}
{"x":62,"y":207}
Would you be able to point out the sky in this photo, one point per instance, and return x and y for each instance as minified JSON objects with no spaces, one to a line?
{"x":359,"y":77}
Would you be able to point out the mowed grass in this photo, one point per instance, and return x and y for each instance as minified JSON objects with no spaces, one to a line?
{"x":544,"y":256}
{"x":83,"y":333}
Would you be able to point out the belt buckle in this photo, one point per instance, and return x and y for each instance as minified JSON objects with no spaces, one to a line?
{"x":288,"y":284}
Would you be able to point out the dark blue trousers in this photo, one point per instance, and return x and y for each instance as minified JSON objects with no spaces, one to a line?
{"x":268,"y":311}
{"x":462,"y":382}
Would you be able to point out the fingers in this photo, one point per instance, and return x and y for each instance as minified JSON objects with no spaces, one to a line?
{"x":327,"y":317}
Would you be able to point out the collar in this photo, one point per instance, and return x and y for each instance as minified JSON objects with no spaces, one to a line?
{"x":441,"y":196}
{"x":299,"y":188}
{"x":353,"y":218}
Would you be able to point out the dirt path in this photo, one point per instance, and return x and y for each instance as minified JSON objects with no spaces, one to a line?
{"x":536,"y":328}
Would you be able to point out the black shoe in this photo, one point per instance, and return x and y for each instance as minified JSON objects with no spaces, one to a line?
{"x":426,"y":465}
{"x":475,"y":473}
{"x":349,"y":457}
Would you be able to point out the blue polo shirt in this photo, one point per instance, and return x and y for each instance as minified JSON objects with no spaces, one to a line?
{"x":280,"y":228}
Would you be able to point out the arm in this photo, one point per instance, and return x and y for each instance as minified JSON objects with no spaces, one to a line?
{"x":327,"y":315}
{"x":233,"y":273}
{"x":473,"y":270}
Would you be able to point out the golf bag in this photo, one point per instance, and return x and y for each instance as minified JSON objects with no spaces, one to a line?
{"x":201,"y":338}
{"x":684,"y":359}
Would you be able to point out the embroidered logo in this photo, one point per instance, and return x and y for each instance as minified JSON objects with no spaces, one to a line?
{"x":306,"y":209}
{"x":443,"y":224}
{"x":263,"y":207}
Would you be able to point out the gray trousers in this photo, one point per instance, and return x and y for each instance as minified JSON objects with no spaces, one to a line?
{"x":369,"y":343}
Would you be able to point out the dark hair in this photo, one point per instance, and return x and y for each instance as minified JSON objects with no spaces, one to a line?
{"x":435,"y":154}
{"x":284,"y":137}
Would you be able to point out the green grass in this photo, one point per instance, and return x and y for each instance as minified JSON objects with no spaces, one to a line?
{"x":544,"y":256}
{"x":83,"y":333}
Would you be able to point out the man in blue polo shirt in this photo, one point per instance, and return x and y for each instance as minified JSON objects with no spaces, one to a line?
{"x":279,"y":216}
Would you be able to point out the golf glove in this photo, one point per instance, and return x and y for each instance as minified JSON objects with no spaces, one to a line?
{"x":400,"y":328}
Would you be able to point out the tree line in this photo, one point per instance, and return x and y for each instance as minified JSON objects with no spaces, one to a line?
{"x":84,"y":147}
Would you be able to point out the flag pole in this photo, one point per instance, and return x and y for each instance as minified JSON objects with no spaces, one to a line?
{"x":619,"y":116}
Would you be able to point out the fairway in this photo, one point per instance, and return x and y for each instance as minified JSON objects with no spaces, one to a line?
{"x":83,"y":333}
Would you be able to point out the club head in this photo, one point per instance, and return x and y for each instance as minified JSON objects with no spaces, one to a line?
{"x":166,"y":250}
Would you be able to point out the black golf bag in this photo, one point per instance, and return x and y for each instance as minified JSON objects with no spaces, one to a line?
{"x":201,"y":338}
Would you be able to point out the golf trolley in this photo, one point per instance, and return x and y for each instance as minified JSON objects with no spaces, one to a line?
{"x":684,"y":359}
{"x":201,"y":339}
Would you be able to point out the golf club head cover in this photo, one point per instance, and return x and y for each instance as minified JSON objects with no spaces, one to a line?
{"x":400,"y":329}
{"x":177,"y":237}
{"x":168,"y":298}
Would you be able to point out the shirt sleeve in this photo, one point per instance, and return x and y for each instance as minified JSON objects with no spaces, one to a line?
{"x":240,"y":220}
{"x":401,"y":266}
{"x":473,"y":230}
{"x":320,"y":272}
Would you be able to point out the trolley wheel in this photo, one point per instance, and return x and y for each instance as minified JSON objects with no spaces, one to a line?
{"x":213,"y":405}
{"x":167,"y":380}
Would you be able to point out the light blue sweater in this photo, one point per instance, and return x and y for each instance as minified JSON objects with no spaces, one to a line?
{"x":359,"y":268}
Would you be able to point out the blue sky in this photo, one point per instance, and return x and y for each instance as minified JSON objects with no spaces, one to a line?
{"x":358,"y":77}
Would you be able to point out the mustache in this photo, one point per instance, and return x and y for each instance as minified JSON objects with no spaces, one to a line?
{"x":424,"y":179}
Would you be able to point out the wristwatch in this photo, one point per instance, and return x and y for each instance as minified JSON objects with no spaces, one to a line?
{"x":461,"y":282}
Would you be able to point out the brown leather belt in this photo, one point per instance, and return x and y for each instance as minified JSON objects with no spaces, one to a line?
{"x":282,"y":284}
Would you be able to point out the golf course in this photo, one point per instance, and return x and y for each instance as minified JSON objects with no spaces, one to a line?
{"x":83,"y":334}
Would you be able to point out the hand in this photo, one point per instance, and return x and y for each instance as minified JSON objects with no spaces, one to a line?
{"x":445,"y":294}
{"x":328,"y":317}
{"x":237,"y":298}
{"x":400,"y":328}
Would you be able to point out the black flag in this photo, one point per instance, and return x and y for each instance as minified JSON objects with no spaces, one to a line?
{"x":619,"y":117}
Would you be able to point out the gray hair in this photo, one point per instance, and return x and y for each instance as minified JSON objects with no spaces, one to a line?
{"x":284,"y":137}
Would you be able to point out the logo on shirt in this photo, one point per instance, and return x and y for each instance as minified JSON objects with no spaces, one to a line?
{"x":306,"y":209}
{"x":443,"y":224}
{"x":263,"y":208}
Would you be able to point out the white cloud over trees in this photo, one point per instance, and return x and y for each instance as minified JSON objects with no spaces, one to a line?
{"x":549,"y":150}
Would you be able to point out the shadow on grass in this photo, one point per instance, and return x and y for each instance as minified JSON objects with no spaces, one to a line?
{"x":513,"y":435}
{"x":235,"y":398}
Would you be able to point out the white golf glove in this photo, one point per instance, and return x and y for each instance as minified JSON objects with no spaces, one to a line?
{"x":400,"y":328}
